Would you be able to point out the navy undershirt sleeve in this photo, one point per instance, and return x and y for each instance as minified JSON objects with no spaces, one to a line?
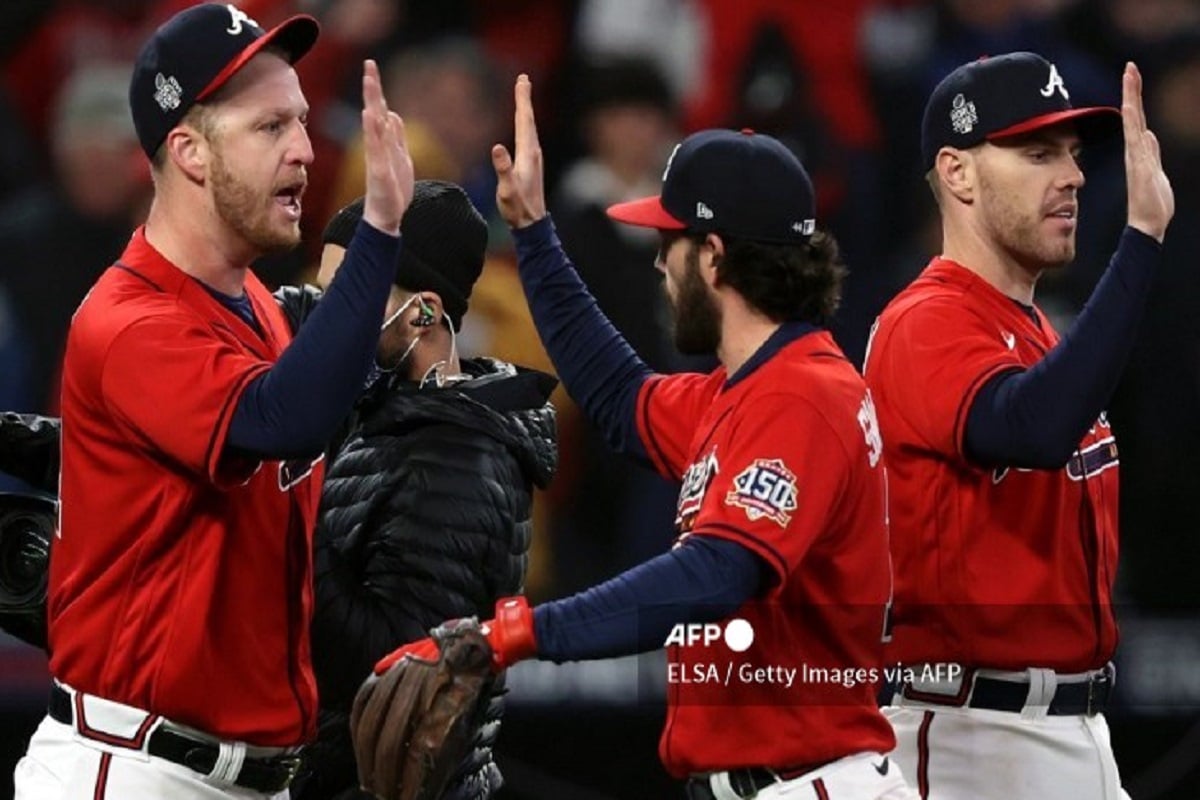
{"x":703,"y":580}
{"x":596,"y":365}
{"x":1035,"y":418}
{"x":293,"y":409}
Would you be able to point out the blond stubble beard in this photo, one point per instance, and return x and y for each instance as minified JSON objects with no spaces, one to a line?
{"x":241,"y":208}
{"x":1019,"y":235}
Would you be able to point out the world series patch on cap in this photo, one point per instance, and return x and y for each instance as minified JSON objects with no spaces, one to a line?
{"x":193,"y":54}
{"x":738,"y":183}
{"x":1002,"y":96}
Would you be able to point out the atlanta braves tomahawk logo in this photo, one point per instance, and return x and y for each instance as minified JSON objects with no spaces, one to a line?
{"x":1089,"y":460}
{"x":766,"y":488}
{"x":296,"y":470}
{"x":1097,"y":456}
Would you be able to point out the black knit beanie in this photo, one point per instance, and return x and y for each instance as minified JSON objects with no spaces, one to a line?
{"x":443,"y":242}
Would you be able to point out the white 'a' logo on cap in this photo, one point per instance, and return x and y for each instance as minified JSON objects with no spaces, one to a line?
{"x":670,"y":158}
{"x":1055,"y":82}
{"x":237,"y":17}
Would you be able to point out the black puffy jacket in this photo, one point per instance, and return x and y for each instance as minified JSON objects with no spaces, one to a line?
{"x":425,"y":516}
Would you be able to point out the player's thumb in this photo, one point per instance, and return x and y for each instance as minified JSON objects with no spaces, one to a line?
{"x":501,"y":160}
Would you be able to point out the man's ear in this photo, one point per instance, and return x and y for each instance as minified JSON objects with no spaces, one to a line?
{"x":956,"y":171}
{"x":189,"y":151}
{"x":433,"y":301}
{"x":712,"y":250}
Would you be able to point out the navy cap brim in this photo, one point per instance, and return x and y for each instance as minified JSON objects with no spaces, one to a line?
{"x":295,"y":36}
{"x":647,"y":213}
{"x":1103,"y":115}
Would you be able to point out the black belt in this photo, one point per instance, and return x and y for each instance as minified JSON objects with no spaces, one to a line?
{"x":1088,"y":697}
{"x":747,"y":781}
{"x":267,"y":775}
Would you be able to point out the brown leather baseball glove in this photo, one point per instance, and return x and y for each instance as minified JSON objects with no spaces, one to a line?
{"x":413,"y":724}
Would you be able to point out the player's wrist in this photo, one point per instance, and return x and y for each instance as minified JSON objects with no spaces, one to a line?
{"x":1154,"y":231}
{"x":511,"y":634}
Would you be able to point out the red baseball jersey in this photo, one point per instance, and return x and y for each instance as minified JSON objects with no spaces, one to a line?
{"x":999,"y":568}
{"x":786,"y":461}
{"x":181,"y":581}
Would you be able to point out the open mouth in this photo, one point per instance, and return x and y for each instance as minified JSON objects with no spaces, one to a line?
{"x":289,"y":199}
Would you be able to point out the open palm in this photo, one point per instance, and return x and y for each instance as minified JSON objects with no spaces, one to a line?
{"x":1151,"y":199}
{"x":520,"y":194}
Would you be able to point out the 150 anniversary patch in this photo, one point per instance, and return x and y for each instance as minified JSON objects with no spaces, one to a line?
{"x":766,"y":488}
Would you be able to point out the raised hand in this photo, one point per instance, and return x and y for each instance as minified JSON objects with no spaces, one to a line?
{"x":389,"y":166}
{"x":519,"y":191}
{"x":1151,"y":199}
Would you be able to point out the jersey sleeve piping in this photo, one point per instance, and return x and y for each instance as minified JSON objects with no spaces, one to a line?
{"x":964,"y":407}
{"x":216,"y":443}
{"x":230,"y":476}
{"x":765,"y":551}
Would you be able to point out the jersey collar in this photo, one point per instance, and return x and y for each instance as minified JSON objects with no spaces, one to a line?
{"x":143,"y":260}
{"x":955,"y":274}
{"x":944,"y":269}
{"x":784,"y":335}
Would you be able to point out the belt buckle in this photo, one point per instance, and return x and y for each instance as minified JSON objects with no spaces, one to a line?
{"x":1104,"y":678}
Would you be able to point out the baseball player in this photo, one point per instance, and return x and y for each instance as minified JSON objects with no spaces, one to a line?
{"x":180,"y":588}
{"x":380,"y":539}
{"x":1003,"y":466}
{"x":781,"y":519}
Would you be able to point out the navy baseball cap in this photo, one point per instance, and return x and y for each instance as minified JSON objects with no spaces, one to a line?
{"x":193,"y":54}
{"x":1002,"y":96}
{"x":743,"y":184}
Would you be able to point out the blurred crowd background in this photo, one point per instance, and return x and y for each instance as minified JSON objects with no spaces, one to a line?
{"x":617,"y":83}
